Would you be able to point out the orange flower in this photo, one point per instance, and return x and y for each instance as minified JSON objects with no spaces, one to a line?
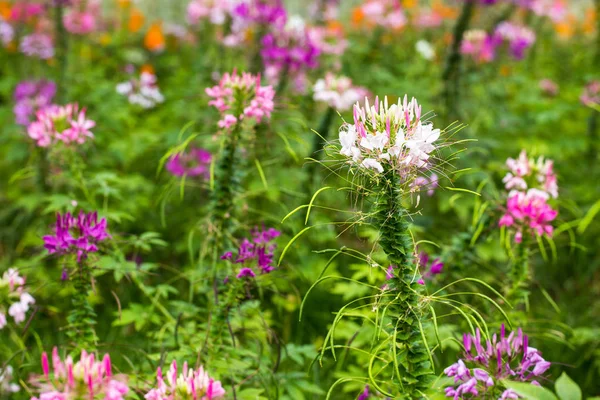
{"x":445,"y":11}
{"x":147,"y":68}
{"x":124,"y":3}
{"x":408,"y":4}
{"x":5,"y":10}
{"x":136,"y":20}
{"x":589,"y":23}
{"x":566,"y":29}
{"x":358,"y":16}
{"x":155,"y":39}
{"x":505,"y":70}
{"x":335,"y":26}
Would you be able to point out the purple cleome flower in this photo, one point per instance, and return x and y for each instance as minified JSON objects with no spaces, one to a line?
{"x":196,"y":162}
{"x":79,"y":235}
{"x":256,"y":254}
{"x":31,"y":96}
{"x":485,"y":364}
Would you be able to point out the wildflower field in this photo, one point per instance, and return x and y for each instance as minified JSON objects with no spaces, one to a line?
{"x":284,"y":199}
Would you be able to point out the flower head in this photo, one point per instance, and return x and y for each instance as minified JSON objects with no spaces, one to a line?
{"x":385,"y":13}
{"x":190,"y":384}
{"x":528,"y":212}
{"x":14,"y":299}
{"x":479,"y":45}
{"x":591,"y":94}
{"x":486,"y":363}
{"x":7,"y":386}
{"x":67,"y":124}
{"x":30,"y":97}
{"x":86,"y":378}
{"x":528,"y":173}
{"x":37,"y":45}
{"x":241,"y":97}
{"x":392,"y":136}
{"x":338,"y":92}
{"x":143,"y":92}
{"x":79,"y":235}
{"x":195,"y":162}
{"x":255,"y":255}
{"x":216,"y":11}
{"x":519,"y":37}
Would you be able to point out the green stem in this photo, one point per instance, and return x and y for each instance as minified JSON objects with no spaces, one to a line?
{"x":519,"y":274}
{"x":319,"y":142}
{"x":413,"y":357}
{"x":451,"y":74}
{"x":61,"y":51}
{"x":82,"y":317}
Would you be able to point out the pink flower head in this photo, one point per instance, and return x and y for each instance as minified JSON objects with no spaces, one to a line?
{"x":519,"y":37}
{"x":525,"y":173}
{"x":195,"y":162}
{"x":79,"y":235}
{"x":241,"y":97}
{"x":386,"y":13}
{"x":549,"y":87}
{"x":24,"y":11}
{"x":31,"y":96}
{"x":591,"y":94}
{"x":216,"y":11}
{"x":79,"y":22}
{"x":480,"y":46}
{"x":67,"y":124}
{"x":86,"y":378}
{"x":529,"y":212}
{"x":389,"y":135}
{"x":190,"y":384}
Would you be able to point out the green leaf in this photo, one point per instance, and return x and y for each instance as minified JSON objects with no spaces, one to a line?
{"x":566,"y":388}
{"x":529,"y":391}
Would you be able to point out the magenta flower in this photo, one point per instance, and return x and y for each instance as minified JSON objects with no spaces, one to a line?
{"x":67,"y":124}
{"x":86,"y":378}
{"x":189,"y":385}
{"x":23,"y":11}
{"x":31,"y":96}
{"x":195,"y":162}
{"x":37,"y":45}
{"x":480,"y":46}
{"x":255,"y":254}
{"x":365,"y":394}
{"x":528,"y":212}
{"x":485,"y":364}
{"x":241,"y":97}
{"x":76,"y":235}
{"x":519,"y":37}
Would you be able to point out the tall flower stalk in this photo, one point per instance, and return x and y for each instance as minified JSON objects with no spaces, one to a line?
{"x":390,"y":146}
{"x":77,"y":237}
{"x":243,"y":102}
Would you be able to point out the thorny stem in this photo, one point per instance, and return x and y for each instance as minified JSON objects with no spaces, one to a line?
{"x":415,"y":368}
{"x":82,"y":317}
{"x":451,"y":74}
{"x":520,"y":274}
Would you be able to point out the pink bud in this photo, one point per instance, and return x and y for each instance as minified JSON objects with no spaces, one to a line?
{"x":107,"y":365}
{"x":45,"y":366}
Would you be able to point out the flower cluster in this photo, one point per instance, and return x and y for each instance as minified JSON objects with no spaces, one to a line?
{"x":519,"y":37}
{"x":338,"y":92}
{"x":13,"y":297}
{"x":484,"y":365}
{"x":240,"y":97}
{"x":529,"y":211}
{"x":291,"y":51}
{"x":525,"y":173}
{"x":189,"y":385}
{"x":556,"y":10}
{"x":79,"y":235}
{"x":389,"y":135}
{"x":261,"y":12}
{"x":329,"y":39}
{"x":195,"y":162}
{"x":255,"y":255}
{"x":143,"y":92}
{"x":385,"y":13}
{"x":479,"y":45}
{"x":37,"y":45}
{"x":31,"y":96}
{"x":80,"y":19}
{"x":67,"y":124}
{"x":591,"y":94}
{"x":6,"y":384}
{"x":216,"y":11}
{"x":86,"y":378}
{"x":549,"y":87}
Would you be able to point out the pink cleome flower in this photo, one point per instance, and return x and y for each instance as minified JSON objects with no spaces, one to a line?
{"x":195,"y":162}
{"x":240,"y":97}
{"x":65,"y":124}
{"x":529,"y":212}
{"x":190,"y":385}
{"x":86,"y":378}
